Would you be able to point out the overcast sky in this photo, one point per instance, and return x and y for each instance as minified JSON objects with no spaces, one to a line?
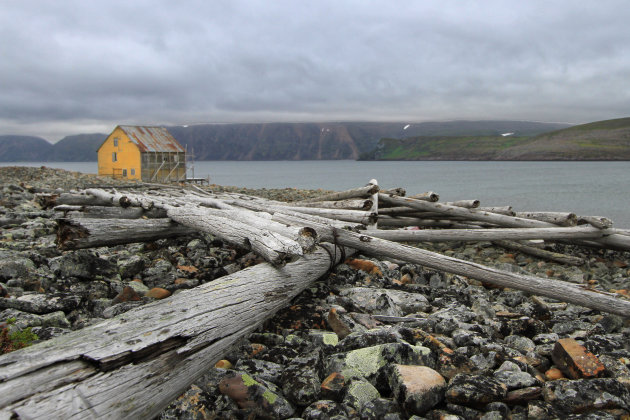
{"x":70,"y":67}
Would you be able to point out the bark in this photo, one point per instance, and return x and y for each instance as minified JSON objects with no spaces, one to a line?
{"x":135,"y":364}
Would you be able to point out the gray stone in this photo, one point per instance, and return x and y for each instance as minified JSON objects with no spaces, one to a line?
{"x":386,"y":301}
{"x":323,"y":410}
{"x":80,"y":264}
{"x":42,"y":304}
{"x":515,"y":379}
{"x":15,"y":267}
{"x":583,"y":395}
{"x":379,"y":409}
{"x":522,"y":344}
{"x":269,"y":371}
{"x":474,"y":390}
{"x":131,"y":266}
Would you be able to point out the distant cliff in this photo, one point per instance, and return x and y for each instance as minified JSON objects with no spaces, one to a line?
{"x":272,"y":141}
{"x":602,"y":140}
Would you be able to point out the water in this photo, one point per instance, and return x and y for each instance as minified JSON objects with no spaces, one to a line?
{"x":585,"y":188}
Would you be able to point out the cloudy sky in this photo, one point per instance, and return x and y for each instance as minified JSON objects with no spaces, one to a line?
{"x":70,"y":67}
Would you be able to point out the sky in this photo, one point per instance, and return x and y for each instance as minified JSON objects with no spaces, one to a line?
{"x":69,"y":67}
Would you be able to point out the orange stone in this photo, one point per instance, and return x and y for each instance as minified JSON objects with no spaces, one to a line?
{"x":337,"y":325}
{"x":554,"y":374}
{"x":223,"y":364}
{"x":126,"y":295}
{"x":257,"y":348}
{"x":364,"y":265}
{"x":575,"y":361}
{"x":188,"y":268}
{"x":158,"y":293}
{"x":332,"y":387}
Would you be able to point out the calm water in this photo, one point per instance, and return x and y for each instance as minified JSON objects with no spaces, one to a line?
{"x":586,"y":188}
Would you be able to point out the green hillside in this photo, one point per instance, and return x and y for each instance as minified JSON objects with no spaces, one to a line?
{"x":601,"y":140}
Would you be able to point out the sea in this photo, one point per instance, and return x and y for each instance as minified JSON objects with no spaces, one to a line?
{"x":584,"y":188}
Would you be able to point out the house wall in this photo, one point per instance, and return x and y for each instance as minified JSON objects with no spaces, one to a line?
{"x":163,"y":166}
{"x":127,"y":157}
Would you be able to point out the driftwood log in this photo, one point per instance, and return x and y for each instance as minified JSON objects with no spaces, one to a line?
{"x":135,"y":364}
{"x":566,"y":292}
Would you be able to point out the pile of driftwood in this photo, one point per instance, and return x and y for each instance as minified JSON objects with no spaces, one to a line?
{"x":136,"y":363}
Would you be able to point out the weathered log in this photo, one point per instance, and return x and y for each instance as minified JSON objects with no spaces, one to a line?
{"x":135,"y":364}
{"x":557,"y":218}
{"x":567,"y":292}
{"x":362,"y":192}
{"x":426,"y":196}
{"x":613,"y":240}
{"x":469,"y":204}
{"x":48,"y":201}
{"x":271,"y":246}
{"x":597,"y":221}
{"x":88,"y":233}
{"x":432,"y":235}
{"x":373,"y":221}
{"x":363,"y":204}
{"x":541,"y":253}
{"x":395,"y":191}
{"x":102,"y":212}
{"x":389,"y":221}
{"x":507,"y":210}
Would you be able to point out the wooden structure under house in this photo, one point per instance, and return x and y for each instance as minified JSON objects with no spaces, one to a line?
{"x":150,"y":154}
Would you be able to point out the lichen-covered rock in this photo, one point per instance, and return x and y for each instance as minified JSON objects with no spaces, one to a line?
{"x":583,"y":395}
{"x":301,"y":382}
{"x":474,"y":390}
{"x":380,"y":409}
{"x":511,"y":375}
{"x":269,"y":371}
{"x":370,"y":362}
{"x":43,"y":304}
{"x":359,"y":393}
{"x":251,"y":394}
{"x":323,"y":410}
{"x":191,"y":405}
{"x":386,"y":301}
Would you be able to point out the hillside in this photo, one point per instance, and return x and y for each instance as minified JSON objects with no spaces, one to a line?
{"x":271,"y":141}
{"x":23,"y":148}
{"x":602,"y":140}
{"x":314,"y":141}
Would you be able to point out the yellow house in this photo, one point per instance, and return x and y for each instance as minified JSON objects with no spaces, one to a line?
{"x":150,"y":154}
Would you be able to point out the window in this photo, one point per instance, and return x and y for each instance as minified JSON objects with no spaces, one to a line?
{"x":114,"y":157}
{"x":115,"y":141}
{"x":124,"y":173}
{"x":133,"y":171}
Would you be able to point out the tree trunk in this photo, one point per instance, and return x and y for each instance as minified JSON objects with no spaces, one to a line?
{"x":132,"y":366}
{"x":557,"y":218}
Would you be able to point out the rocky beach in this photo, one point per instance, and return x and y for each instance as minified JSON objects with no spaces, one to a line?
{"x":372,"y":339}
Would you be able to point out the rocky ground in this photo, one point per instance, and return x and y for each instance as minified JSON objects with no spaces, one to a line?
{"x":464,"y":350}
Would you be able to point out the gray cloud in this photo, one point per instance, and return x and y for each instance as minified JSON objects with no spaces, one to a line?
{"x":77,"y":66}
